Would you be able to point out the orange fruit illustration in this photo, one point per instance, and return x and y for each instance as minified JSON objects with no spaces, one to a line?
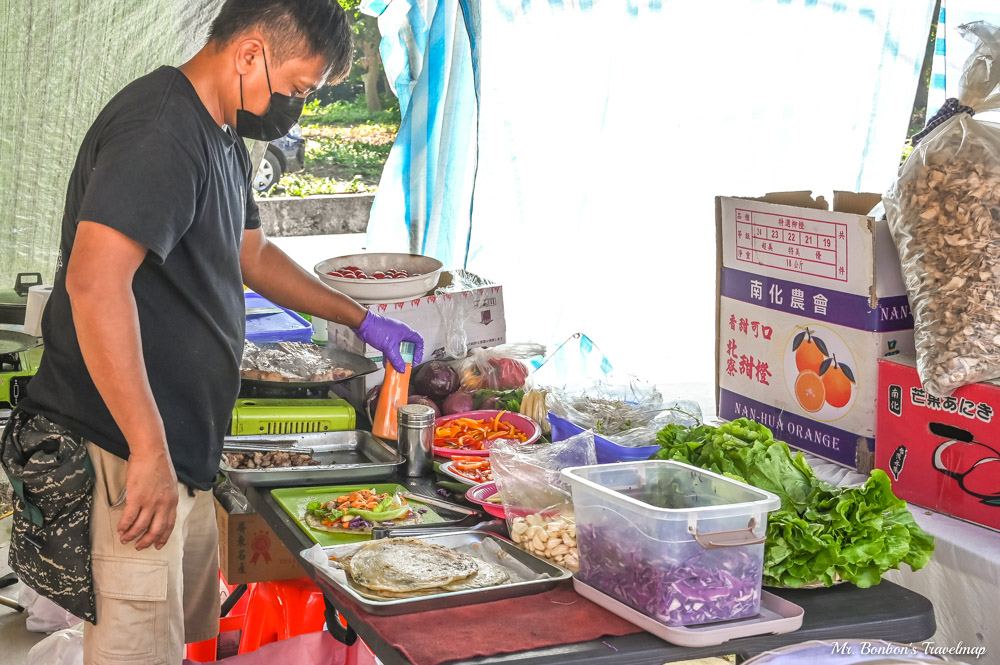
{"x":810,"y":391}
{"x":838,"y":380}
{"x":810,"y":351}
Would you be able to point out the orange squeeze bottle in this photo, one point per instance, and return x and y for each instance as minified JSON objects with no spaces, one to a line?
{"x":395,"y":393}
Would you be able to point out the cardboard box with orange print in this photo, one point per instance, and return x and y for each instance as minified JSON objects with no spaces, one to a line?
{"x":249,"y":551}
{"x":809,"y":299}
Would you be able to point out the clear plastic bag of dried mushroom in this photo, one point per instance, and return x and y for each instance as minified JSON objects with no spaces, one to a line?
{"x":944,"y":214}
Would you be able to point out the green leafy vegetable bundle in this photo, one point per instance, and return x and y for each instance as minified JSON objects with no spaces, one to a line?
{"x":822,"y":533}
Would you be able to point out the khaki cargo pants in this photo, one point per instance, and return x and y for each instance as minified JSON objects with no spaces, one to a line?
{"x":150,"y":603}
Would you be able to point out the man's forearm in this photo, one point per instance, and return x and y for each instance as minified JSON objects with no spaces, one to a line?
{"x":271,"y":273}
{"x":107,"y":327}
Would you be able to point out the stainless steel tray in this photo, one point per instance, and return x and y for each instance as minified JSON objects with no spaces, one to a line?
{"x":456,"y":539}
{"x":348,"y":456}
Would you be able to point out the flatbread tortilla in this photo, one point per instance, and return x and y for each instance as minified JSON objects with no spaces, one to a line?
{"x":489,"y":574}
{"x":407,"y":565}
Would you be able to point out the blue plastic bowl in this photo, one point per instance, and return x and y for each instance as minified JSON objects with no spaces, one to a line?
{"x":607,"y":452}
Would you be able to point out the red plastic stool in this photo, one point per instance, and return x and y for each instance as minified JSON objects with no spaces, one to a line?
{"x":207,"y":651}
{"x":279,"y":610}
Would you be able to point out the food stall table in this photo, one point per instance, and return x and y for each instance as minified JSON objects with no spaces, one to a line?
{"x":888,"y":612}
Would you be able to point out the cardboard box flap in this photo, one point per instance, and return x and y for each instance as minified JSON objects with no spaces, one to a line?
{"x":855,"y":203}
{"x":803,"y":199}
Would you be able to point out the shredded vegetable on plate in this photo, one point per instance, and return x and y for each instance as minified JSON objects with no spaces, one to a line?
{"x":358,"y":510}
{"x":476,"y":469}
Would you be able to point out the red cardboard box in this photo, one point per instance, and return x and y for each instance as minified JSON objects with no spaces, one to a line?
{"x":940,"y":452}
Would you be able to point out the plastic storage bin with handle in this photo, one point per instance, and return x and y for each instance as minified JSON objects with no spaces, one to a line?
{"x":682,"y":545}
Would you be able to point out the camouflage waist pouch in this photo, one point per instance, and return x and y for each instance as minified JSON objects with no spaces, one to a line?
{"x":53,"y":480}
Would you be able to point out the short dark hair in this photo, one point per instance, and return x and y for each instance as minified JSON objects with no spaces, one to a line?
{"x":319,"y":27}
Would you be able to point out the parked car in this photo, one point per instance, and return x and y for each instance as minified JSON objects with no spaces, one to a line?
{"x":284,"y":155}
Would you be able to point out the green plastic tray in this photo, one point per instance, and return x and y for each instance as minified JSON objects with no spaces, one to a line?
{"x":294,"y":500}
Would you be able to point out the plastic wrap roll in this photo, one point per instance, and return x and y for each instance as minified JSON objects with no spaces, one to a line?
{"x":38,"y":297}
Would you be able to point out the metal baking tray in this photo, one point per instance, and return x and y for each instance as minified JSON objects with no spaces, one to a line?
{"x":345,"y":457}
{"x":455,"y":539}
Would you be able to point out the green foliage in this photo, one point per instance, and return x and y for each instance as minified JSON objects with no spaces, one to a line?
{"x":346,"y":149}
{"x":350,"y":113}
{"x":304,"y":184}
{"x":356,"y":156}
{"x":907,"y":149}
{"x":821,"y":533}
{"x":364,"y":27}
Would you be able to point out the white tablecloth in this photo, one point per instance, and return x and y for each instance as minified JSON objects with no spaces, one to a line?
{"x":962,"y":579}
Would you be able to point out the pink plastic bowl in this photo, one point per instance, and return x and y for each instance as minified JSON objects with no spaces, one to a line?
{"x":480,"y":493}
{"x":522,"y":423}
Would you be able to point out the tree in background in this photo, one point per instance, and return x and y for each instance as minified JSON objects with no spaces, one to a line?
{"x":366,"y":40}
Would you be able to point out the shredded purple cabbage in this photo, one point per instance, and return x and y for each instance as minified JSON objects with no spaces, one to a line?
{"x":442,"y":491}
{"x":359,"y":522}
{"x":422,"y":511}
{"x":713,"y":585}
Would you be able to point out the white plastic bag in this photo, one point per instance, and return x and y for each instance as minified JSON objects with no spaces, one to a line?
{"x":44,"y":616}
{"x":504,"y":367}
{"x":536,"y":499}
{"x":944,"y":214}
{"x":457,"y":305}
{"x":623,"y":410}
{"x":63,"y":647}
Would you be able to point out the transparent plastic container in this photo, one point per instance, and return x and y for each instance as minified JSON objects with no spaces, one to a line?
{"x":682,"y":545}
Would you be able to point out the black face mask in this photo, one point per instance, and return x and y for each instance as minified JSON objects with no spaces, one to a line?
{"x":281,"y":114}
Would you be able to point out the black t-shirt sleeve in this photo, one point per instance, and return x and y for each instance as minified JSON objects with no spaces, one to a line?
{"x":145,"y":186}
{"x":252,"y":220}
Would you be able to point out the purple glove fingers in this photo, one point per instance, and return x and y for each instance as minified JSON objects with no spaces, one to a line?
{"x":386,"y":335}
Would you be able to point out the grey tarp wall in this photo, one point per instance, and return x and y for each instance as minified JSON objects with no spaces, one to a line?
{"x":60,"y":62}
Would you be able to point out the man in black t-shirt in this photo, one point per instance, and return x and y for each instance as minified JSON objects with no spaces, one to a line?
{"x":144,"y":329}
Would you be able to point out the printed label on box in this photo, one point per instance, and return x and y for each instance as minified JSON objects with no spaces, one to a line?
{"x":819,"y":248}
{"x":793,"y":244}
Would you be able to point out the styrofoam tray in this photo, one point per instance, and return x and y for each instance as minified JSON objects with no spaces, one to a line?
{"x":446,"y":469}
{"x":777,"y":616}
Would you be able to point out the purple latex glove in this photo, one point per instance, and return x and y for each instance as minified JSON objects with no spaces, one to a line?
{"x":386,"y":335}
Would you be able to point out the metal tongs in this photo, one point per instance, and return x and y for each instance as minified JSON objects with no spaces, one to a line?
{"x":465,"y":524}
{"x":231,"y":445}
